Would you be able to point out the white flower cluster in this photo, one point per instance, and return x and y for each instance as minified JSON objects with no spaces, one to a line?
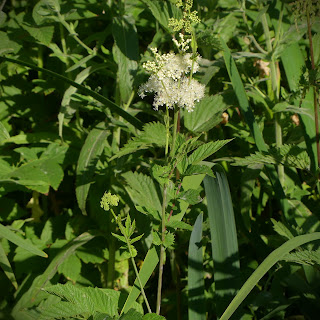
{"x":170,"y":83}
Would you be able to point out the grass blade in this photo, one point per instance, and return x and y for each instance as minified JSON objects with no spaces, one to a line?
{"x":6,"y":267}
{"x":87,"y":161}
{"x":11,"y":236}
{"x":254,"y":128}
{"x":197,"y":305}
{"x":108,"y":103}
{"x":149,"y":264}
{"x":264,"y":267}
{"x":223,"y":238}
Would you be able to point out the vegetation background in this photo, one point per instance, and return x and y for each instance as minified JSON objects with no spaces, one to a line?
{"x":72,"y":126}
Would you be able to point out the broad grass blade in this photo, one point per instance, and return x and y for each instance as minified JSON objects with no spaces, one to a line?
{"x":149,"y":264}
{"x":6,"y":267}
{"x":87,"y":161}
{"x":223,"y":238}
{"x":106,"y":102}
{"x":11,"y":236}
{"x":196,"y":302}
{"x":264,"y":267}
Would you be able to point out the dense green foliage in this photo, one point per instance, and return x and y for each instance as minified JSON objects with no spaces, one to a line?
{"x":110,"y":209}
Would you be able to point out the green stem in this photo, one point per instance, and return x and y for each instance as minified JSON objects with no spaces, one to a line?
{"x":275,"y":81}
{"x":174,"y":129}
{"x":315,"y":101}
{"x":123,"y":231}
{"x":167,"y":122}
{"x":162,"y":250}
{"x":111,"y":263}
{"x":40,"y":61}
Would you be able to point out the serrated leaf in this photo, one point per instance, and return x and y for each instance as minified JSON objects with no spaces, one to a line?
{"x":121,"y":238}
{"x":88,"y":158}
{"x":198,"y":169}
{"x":192,"y":196}
{"x":30,"y":297}
{"x":206,"y":115}
{"x":178,"y":225}
{"x":206,"y":150}
{"x":304,"y":257}
{"x":142,"y":190}
{"x":153,"y":133}
{"x":281,"y":229}
{"x":136,"y":239}
{"x":287,"y":155}
{"x":169,"y":240}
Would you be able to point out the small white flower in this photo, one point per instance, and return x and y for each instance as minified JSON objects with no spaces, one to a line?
{"x":169,"y":81}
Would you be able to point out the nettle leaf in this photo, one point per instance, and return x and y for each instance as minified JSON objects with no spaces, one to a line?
{"x":281,"y":229}
{"x":191,"y":196}
{"x":287,"y":155}
{"x":169,"y":240}
{"x":174,"y":224}
{"x":198,"y":169}
{"x":142,"y":190}
{"x":206,"y":150}
{"x":153,"y":316}
{"x":304,"y":257}
{"x":161,"y":173}
{"x":206,"y":115}
{"x":153,"y":134}
{"x":87,"y":300}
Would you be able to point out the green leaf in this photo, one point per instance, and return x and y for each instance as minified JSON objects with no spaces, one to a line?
{"x":30,"y":297}
{"x":153,"y":316}
{"x":17,"y":240}
{"x":149,"y":264}
{"x":281,"y":229}
{"x":206,"y":150}
{"x":206,"y":115}
{"x":287,"y":155}
{"x":6,"y":267}
{"x":160,"y":11}
{"x":88,"y":158}
{"x":42,"y":34}
{"x":264,"y":267}
{"x":223,"y":237}
{"x":67,"y":110}
{"x":106,"y":102}
{"x":253,"y":125}
{"x":142,"y":190}
{"x":125,"y":53}
{"x":153,"y":133}
{"x":71,"y":268}
{"x":196,"y":296}
{"x":4,"y":134}
{"x":7,"y":45}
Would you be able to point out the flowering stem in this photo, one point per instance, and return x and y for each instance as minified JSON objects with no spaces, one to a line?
{"x":175,"y":130}
{"x":118,"y":221}
{"x":162,"y":250}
